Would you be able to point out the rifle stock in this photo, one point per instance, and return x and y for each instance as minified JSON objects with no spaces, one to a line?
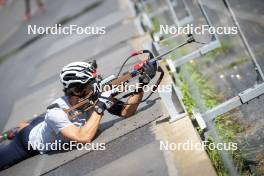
{"x":122,"y":79}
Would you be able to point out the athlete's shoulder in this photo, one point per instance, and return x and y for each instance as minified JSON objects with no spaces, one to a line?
{"x":61,"y":102}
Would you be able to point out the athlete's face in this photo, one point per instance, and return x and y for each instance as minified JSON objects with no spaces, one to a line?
{"x":88,"y":89}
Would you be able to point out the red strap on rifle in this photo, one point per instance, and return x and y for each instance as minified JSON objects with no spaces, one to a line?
{"x":139,"y":66}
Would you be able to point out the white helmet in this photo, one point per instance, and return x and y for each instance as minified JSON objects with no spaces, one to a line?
{"x":77,"y":72}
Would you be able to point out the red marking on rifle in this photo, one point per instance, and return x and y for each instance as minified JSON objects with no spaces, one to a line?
{"x":139,"y":65}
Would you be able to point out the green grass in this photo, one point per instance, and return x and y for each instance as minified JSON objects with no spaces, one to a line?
{"x":216,"y":159}
{"x":154,"y":20}
{"x":148,"y":8}
{"x":208,"y":94}
{"x":227,"y":127}
{"x":155,"y":24}
{"x":187,"y":97}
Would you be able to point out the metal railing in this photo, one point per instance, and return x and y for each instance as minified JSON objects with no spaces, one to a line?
{"x":205,"y":119}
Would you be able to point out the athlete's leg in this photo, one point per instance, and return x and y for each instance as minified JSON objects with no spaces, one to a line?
{"x":33,"y":122}
{"x":18,"y":149}
{"x":11,"y":154}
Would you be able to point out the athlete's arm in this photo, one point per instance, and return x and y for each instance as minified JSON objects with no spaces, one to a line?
{"x":86,"y":133}
{"x":149,"y":71}
{"x":132,"y":105}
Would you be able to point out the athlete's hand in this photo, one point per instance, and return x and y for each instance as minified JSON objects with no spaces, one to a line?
{"x":105,"y":101}
{"x":149,"y":72}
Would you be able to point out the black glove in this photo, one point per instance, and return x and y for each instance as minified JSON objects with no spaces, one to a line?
{"x":105,"y":101}
{"x":149,"y":72}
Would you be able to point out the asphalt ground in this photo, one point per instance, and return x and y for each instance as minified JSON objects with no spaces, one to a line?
{"x":18,"y":72}
{"x":122,"y":157}
{"x":14,"y":33}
